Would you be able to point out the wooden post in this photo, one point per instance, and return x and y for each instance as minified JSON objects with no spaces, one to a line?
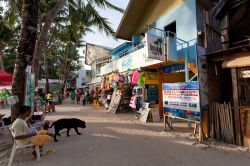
{"x":160,"y":95}
{"x":236,"y":106}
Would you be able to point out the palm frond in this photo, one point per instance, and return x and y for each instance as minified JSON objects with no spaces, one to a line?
{"x":100,"y":22}
{"x":105,"y":4}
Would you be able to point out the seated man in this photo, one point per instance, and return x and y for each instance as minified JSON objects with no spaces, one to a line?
{"x":39,"y":124}
{"x":24,"y":135}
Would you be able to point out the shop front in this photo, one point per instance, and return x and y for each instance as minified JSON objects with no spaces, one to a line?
{"x":167,"y":84}
{"x":229,"y":89}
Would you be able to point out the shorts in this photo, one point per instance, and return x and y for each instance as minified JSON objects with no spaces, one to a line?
{"x":41,"y":138}
{"x":39,"y":125}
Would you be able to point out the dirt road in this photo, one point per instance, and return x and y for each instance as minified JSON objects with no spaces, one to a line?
{"x":120,"y":140}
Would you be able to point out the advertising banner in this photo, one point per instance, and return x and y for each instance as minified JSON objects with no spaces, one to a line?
{"x":30,"y":90}
{"x":182,"y":100}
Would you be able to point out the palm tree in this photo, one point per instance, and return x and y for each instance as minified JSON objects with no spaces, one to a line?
{"x":72,"y":6}
{"x":25,"y":50}
{"x":31,"y":47}
{"x":5,"y":36}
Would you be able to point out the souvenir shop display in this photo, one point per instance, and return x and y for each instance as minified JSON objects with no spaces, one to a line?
{"x":117,"y":101}
{"x":136,"y":99}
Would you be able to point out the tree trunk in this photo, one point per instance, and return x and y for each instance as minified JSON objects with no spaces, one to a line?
{"x":42,"y":40}
{"x":25,"y":50}
{"x":1,"y":57}
{"x":46,"y":73}
{"x":65,"y":75}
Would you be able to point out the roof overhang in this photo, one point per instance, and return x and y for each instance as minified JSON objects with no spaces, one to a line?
{"x":134,"y":12}
{"x":94,"y":52}
{"x":237,"y":62}
{"x":140,"y":13}
{"x":228,"y":54}
{"x":232,"y":57}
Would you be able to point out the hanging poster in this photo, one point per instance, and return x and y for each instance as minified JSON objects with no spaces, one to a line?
{"x":30,"y":90}
{"x":182,"y":100}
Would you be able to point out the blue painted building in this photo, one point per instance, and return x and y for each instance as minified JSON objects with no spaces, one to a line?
{"x":172,"y":34}
{"x":121,"y":50}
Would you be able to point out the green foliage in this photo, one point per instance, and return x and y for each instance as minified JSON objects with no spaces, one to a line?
{"x":66,"y":35}
{"x":10,"y":57}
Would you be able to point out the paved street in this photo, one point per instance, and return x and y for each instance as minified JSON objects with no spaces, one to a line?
{"x":120,"y":139}
{"x":112,"y":140}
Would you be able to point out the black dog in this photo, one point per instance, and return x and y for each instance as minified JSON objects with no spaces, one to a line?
{"x":68,"y":124}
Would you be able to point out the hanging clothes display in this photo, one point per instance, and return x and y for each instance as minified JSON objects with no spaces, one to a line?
{"x":132,"y":103}
{"x":111,"y":77}
{"x":116,"y":77}
{"x":121,"y":79}
{"x":135,"y":77}
{"x":136,"y":99}
{"x":103,"y":83}
{"x":130,"y":75}
{"x":141,"y":79}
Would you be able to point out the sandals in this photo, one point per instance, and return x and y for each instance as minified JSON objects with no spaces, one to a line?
{"x":47,"y":153}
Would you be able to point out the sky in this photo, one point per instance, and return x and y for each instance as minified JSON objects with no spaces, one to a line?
{"x":114,"y":18}
{"x":98,"y":37}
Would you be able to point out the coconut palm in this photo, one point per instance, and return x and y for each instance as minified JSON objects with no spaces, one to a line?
{"x":71,"y":6}
{"x":8,"y":32}
{"x":25,"y":50}
{"x":31,"y":47}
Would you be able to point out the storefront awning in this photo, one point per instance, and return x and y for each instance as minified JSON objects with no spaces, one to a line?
{"x":228,"y":54}
{"x":237,"y":62}
{"x":96,"y":80}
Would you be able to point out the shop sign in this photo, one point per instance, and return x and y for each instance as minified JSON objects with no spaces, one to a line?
{"x":155,"y":46}
{"x":151,"y":76}
{"x":134,"y":60}
{"x":245,"y":74}
{"x":175,"y":68}
{"x":182,"y":100}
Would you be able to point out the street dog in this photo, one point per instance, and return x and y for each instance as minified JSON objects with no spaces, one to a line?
{"x":67,"y":124}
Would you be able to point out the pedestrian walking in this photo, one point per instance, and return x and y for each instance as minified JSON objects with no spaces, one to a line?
{"x":72,"y":95}
{"x":84,"y":98}
{"x":78,"y":96}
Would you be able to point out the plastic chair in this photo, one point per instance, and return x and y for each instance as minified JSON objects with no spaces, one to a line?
{"x":3,"y":126}
{"x":16,"y":146}
{"x":95,"y":104}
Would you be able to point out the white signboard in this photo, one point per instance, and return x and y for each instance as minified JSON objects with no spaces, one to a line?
{"x":245,"y":74}
{"x":135,"y":60}
{"x":144,"y":115}
{"x":183,"y":96}
{"x":155,"y":47}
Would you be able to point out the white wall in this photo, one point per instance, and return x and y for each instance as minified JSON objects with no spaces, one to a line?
{"x":185,"y":17}
{"x":81,"y":78}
